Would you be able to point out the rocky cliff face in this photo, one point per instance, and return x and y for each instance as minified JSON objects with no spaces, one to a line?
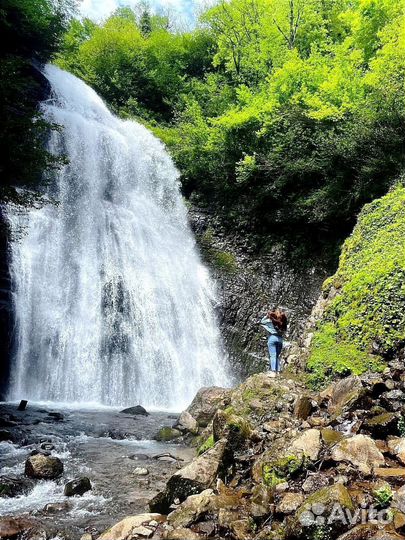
{"x":6,"y":317}
{"x":251,"y":279}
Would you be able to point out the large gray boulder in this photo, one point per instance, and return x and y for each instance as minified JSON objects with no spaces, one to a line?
{"x":197,"y":476}
{"x":206,"y":402}
{"x":187,"y":423}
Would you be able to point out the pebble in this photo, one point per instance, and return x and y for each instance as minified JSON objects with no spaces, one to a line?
{"x":141,"y":471}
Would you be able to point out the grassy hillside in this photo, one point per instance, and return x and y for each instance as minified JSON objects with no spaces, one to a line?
{"x":365,"y":322}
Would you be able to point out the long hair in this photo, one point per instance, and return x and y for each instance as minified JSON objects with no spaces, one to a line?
{"x":279,"y":319}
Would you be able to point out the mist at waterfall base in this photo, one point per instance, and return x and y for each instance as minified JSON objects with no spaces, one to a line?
{"x":112,"y":303}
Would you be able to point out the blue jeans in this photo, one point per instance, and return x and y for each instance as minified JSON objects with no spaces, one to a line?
{"x":275,"y":344}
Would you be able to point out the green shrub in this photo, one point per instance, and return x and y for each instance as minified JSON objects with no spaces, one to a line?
{"x":209,"y":443}
{"x":383,"y":497}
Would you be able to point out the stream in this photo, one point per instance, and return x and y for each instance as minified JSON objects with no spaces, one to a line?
{"x":100,"y":443}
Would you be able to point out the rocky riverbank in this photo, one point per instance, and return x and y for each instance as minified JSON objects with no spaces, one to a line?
{"x":279,"y":462}
{"x":67,"y":472}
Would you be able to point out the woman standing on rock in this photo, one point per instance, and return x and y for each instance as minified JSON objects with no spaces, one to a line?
{"x":275,"y":322}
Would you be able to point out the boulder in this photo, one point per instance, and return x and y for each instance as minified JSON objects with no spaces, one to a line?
{"x":263,"y":397}
{"x":186,"y":423}
{"x":290,"y":503}
{"x":206,"y":402}
{"x":235,"y":429}
{"x":193,"y":508}
{"x":343,"y":394}
{"x":137,"y":410}
{"x":382,"y":425}
{"x":319,"y":506}
{"x":127,"y":529}
{"x":78,"y":486}
{"x":167,"y":434}
{"x":303,"y":407}
{"x":202,"y":472}
{"x":398,"y":500}
{"x":194,"y":478}
{"x":396,"y":446}
{"x":12,"y":487}
{"x":14,"y":528}
{"x":309,"y":444}
{"x":44,"y":467}
{"x":261,"y":501}
{"x":360,"y":451}
{"x":360,"y":532}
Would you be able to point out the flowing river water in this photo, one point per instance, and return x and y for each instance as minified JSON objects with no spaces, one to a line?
{"x":102,"y":444}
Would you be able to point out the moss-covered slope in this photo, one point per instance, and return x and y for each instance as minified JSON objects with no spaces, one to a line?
{"x":365,"y":320}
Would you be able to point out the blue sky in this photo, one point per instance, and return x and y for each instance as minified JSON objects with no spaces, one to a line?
{"x":184,"y":11}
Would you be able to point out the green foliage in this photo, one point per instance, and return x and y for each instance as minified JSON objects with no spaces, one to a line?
{"x":383,"y":497}
{"x":283,"y":469}
{"x":222,"y":260}
{"x":209,"y":443}
{"x":367,"y":315}
{"x":284,"y":116}
{"x":31,"y":32}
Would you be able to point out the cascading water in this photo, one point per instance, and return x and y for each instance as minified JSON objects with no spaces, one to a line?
{"x":112,"y":303}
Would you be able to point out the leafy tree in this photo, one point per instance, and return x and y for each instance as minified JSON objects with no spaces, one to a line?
{"x":31,"y":31}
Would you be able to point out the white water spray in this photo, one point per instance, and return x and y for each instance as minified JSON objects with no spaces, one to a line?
{"x":112,"y":302}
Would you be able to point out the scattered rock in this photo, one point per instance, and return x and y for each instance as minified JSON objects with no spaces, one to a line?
{"x":140,"y":471}
{"x":315,"y":482}
{"x":45,"y":467}
{"x":343,"y":394}
{"x":127,"y":529}
{"x":290,"y":503}
{"x":382,"y":425}
{"x":195,"y":477}
{"x":261,"y":501}
{"x":55,"y":508}
{"x":139,"y":457}
{"x":322,"y":500}
{"x":396,"y":446}
{"x":191,"y":509}
{"x":12,"y":487}
{"x":359,"y":450}
{"x":309,"y":444}
{"x":186,"y":423}
{"x":137,"y":410}
{"x":15,"y":527}
{"x":86,"y":536}
{"x":303,"y":407}
{"x":206,"y":403}
{"x":168,"y":434}
{"x":78,"y":486}
{"x":23,"y":405}
{"x":360,"y":532}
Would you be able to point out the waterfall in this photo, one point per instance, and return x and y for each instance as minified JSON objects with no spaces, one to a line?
{"x":112,"y":302}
